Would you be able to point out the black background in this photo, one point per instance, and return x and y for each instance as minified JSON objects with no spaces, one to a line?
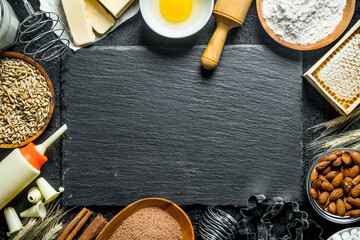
{"x":136,"y":33}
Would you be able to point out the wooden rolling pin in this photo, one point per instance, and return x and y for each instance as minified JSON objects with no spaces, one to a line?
{"x":229,"y":14}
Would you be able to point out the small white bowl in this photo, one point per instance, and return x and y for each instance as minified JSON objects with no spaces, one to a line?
{"x":195,"y":22}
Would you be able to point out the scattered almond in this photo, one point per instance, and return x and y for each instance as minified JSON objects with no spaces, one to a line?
{"x":354,"y":171}
{"x":348,"y":207}
{"x":316,"y":184}
{"x":322,"y":165}
{"x":356,"y":180}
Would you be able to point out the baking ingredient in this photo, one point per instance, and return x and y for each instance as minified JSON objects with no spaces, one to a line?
{"x":75,"y":225}
{"x":176,"y":10}
{"x":94,"y":228}
{"x":116,"y":7}
{"x":25,"y":100}
{"x":347,"y":234}
{"x":303,"y":21}
{"x":22,"y":166}
{"x":79,"y":24}
{"x":336,"y":77}
{"x":12,"y":220}
{"x":336,"y":192}
{"x":48,"y":228}
{"x":149,"y":223}
{"x":100,"y":20}
{"x":340,"y":75}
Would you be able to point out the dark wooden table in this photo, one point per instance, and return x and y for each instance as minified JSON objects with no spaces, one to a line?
{"x":146,"y":121}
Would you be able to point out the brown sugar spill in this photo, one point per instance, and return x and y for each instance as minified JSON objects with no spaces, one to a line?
{"x":151,"y":223}
{"x":25,"y":100}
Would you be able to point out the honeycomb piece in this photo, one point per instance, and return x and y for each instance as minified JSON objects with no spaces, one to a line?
{"x":339,"y":74}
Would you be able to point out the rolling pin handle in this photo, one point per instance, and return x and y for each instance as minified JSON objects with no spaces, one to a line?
{"x":212,"y":54}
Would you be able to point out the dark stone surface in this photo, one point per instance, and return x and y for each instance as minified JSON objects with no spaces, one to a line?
{"x":151,"y":125}
{"x":135,"y":32}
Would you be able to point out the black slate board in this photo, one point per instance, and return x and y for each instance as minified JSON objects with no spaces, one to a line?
{"x":146,"y":123}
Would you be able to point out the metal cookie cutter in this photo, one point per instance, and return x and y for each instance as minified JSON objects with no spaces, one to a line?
{"x":263,"y":219}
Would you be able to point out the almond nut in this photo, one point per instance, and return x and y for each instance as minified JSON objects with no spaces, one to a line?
{"x":337,"y":163}
{"x":353,"y":213}
{"x":323,"y":178}
{"x":356,"y":180}
{"x":340,"y":207}
{"x":331,"y":175}
{"x":326,"y":170}
{"x":314,"y":175}
{"x":336,"y":194}
{"x":355,"y":157}
{"x":332,"y":208}
{"x":313,"y":193}
{"x":324,"y":196}
{"x":347,"y":184}
{"x":322,"y":165}
{"x":338,"y":153}
{"x":347,"y":206}
{"x":346,"y":158}
{"x":316,"y":184}
{"x":355,"y":192}
{"x":326,"y":186}
{"x":355,"y":202}
{"x":354,"y":171}
{"x":336,"y":182}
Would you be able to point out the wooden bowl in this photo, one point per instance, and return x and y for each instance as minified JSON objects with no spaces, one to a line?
{"x":344,"y":23}
{"x":35,"y":64}
{"x":174,"y":210}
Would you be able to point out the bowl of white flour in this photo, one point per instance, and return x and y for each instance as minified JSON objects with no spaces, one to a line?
{"x":305,"y":24}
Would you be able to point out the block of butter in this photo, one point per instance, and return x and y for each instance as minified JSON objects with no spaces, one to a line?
{"x":99,"y":18}
{"x":116,"y":7}
{"x":80,"y":28}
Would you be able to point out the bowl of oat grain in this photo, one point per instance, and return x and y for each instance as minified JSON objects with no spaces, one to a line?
{"x":27,"y":100}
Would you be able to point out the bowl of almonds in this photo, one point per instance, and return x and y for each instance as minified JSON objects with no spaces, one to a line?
{"x":333,"y":186}
{"x":27,"y":100}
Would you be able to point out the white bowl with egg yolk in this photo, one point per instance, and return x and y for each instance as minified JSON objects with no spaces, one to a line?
{"x":176,"y":18}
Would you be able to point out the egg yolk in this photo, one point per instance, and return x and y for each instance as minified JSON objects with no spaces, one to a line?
{"x":176,"y":10}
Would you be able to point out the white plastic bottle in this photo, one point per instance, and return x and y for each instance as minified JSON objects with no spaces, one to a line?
{"x":22,"y":166}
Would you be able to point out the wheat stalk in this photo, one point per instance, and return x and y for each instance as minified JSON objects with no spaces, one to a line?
{"x":349,"y":139}
{"x":337,"y":125}
{"x":47,"y":229}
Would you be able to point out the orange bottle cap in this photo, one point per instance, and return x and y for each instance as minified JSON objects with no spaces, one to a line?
{"x":33,"y":156}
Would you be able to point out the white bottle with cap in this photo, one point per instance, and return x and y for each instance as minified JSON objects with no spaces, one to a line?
{"x":22,"y":166}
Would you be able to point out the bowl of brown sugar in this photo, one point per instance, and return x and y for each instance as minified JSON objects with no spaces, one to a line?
{"x":151,"y":219}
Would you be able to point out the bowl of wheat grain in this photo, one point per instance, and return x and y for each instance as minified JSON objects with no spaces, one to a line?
{"x":27,"y":100}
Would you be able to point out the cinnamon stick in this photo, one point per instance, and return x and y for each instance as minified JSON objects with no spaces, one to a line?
{"x":94,"y":228}
{"x":72,"y":224}
{"x":78,"y":227}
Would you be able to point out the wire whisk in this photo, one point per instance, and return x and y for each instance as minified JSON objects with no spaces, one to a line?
{"x":218,"y":225}
{"x":43,"y":34}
